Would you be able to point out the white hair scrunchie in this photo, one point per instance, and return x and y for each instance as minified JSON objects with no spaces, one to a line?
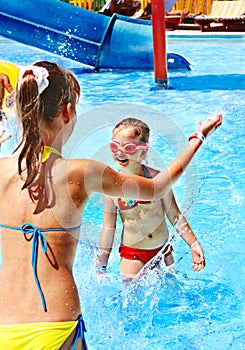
{"x":40,"y":73}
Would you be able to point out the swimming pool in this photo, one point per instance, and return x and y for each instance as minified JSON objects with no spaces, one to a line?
{"x":182,"y":310}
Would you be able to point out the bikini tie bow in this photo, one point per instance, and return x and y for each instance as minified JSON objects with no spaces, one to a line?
{"x":37,"y":236}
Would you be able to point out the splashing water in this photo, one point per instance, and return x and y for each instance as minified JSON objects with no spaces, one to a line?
{"x":177,"y":310}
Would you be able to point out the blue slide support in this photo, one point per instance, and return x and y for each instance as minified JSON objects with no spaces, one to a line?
{"x":116,"y":42}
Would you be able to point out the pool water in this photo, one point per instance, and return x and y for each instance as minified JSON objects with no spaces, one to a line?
{"x":181,"y":310}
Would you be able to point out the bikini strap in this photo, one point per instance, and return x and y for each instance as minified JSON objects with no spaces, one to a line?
{"x":144,"y":171}
{"x":37,"y":237}
{"x":80,"y":333}
{"x":50,"y":229}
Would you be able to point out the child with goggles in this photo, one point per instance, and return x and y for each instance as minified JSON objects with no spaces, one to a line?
{"x":145,"y":230}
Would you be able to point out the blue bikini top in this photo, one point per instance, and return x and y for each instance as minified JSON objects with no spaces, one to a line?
{"x":38,"y":236}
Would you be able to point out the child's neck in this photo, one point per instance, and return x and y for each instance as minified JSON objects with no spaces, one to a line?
{"x":138,"y":169}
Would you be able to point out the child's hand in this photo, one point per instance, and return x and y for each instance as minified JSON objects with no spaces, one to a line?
{"x":3,"y":138}
{"x":198,"y":260}
{"x":210,"y":125}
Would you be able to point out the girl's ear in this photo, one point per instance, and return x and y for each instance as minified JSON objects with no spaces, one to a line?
{"x":67,"y":113}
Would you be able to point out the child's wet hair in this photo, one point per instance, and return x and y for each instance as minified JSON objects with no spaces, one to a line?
{"x":141,"y":129}
{"x":36,"y":111}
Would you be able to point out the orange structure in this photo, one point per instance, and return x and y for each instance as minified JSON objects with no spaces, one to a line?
{"x":194,"y":6}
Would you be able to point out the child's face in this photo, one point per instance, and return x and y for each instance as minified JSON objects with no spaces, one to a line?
{"x":127,"y":157}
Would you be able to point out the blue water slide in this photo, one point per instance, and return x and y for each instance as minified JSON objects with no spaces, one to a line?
{"x":116,"y":42}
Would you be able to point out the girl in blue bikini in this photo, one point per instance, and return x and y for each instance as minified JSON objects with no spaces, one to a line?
{"x":43,"y":196}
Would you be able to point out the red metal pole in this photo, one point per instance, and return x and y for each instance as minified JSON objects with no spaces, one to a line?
{"x":159,"y":43}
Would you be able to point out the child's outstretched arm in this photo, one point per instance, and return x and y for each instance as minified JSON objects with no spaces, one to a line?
{"x":167,"y":177}
{"x":177,"y":166}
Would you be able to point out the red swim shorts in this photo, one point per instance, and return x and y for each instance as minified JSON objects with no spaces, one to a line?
{"x":143,"y":255}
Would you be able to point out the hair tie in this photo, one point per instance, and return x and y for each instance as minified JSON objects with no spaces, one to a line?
{"x":28,"y":72}
{"x":40,"y":73}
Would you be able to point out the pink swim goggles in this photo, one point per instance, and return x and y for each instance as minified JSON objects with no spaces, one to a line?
{"x":128,"y":148}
